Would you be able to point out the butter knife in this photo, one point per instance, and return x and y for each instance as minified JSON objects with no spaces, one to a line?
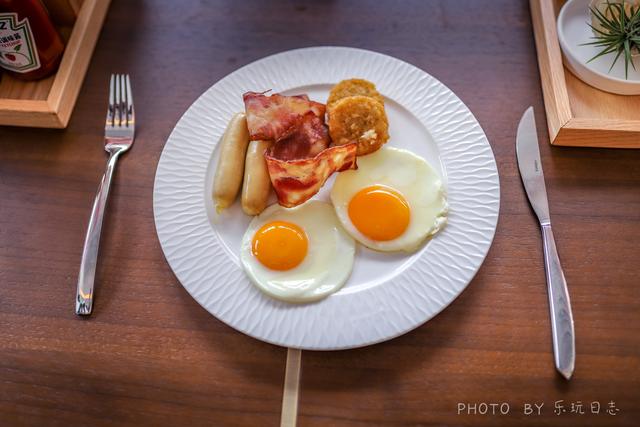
{"x":530,"y":167}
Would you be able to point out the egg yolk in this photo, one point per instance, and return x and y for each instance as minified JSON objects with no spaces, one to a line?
{"x":379,"y":212}
{"x":280,"y":245}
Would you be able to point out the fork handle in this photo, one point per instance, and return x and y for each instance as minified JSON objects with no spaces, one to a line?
{"x":84,"y":296}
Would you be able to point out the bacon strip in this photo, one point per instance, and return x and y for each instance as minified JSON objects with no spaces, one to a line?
{"x":275,"y":117}
{"x":308,"y":138}
{"x":296,"y":181}
{"x":300,"y":160}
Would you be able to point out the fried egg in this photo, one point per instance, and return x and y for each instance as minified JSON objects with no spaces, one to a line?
{"x":394,"y":201}
{"x":297,"y":255}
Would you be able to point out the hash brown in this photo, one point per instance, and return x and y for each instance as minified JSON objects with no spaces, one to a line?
{"x":353,"y":87}
{"x":361,"y":119}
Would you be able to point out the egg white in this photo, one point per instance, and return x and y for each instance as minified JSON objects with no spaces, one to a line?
{"x":328,"y":262}
{"x":410,"y":175}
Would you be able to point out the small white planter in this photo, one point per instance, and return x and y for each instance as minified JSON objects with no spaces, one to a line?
{"x":573,"y":32}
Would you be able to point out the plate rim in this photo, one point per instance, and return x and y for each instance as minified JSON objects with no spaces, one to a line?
{"x":199,"y":294}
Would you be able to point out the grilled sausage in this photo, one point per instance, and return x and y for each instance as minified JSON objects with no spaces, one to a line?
{"x":256,"y":185}
{"x":233,"y":147}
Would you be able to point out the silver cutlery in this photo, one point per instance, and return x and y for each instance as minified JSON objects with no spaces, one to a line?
{"x":118,"y":138}
{"x":562,"y":331}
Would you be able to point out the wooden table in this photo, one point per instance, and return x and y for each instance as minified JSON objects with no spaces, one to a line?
{"x":150,"y":355}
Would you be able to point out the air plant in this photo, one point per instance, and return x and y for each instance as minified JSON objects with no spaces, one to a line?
{"x":617,"y":30}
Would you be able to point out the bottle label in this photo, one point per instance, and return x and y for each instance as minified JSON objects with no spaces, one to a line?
{"x":17,"y":46}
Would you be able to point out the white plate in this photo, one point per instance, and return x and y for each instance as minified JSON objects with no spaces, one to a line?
{"x":387,"y":294}
{"x":573,"y":31}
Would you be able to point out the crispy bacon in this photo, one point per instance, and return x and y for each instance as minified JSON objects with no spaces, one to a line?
{"x":300,"y":159}
{"x":275,"y":117}
{"x":308,"y":138}
{"x":296,"y":181}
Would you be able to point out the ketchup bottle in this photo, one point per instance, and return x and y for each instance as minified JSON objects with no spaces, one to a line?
{"x":30,"y":46}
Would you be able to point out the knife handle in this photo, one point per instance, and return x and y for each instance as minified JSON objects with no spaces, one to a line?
{"x":559,"y":306}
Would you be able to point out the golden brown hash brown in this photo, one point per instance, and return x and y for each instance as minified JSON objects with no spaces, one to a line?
{"x":361,"y":119}
{"x":353,"y":87}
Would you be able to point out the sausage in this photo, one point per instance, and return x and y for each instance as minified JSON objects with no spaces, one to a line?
{"x":233,"y":147}
{"x":256,"y":185}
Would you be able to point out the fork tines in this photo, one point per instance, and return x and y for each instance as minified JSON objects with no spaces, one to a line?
{"x":120,"y":113}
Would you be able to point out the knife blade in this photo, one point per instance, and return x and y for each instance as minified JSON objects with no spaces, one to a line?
{"x":530,"y":166}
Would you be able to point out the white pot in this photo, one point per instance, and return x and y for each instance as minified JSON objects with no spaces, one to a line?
{"x":572,"y":34}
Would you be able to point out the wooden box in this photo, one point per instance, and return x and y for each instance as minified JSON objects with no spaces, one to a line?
{"x":49,"y":102}
{"x":578,"y":114}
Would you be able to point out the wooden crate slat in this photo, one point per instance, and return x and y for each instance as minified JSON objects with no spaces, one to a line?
{"x":73,"y":67}
{"x":554,"y":90}
{"x":12,"y":88}
{"x":26,"y":112}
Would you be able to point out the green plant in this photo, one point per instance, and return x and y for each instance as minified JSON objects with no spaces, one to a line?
{"x":619,"y":32}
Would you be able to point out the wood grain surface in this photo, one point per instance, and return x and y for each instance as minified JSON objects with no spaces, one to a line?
{"x":150,"y":355}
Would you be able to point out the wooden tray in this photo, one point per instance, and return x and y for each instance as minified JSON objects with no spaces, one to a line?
{"x":49,"y":102}
{"x":578,"y":114}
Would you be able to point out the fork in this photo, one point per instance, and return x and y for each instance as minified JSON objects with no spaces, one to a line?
{"x":118,"y":138}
